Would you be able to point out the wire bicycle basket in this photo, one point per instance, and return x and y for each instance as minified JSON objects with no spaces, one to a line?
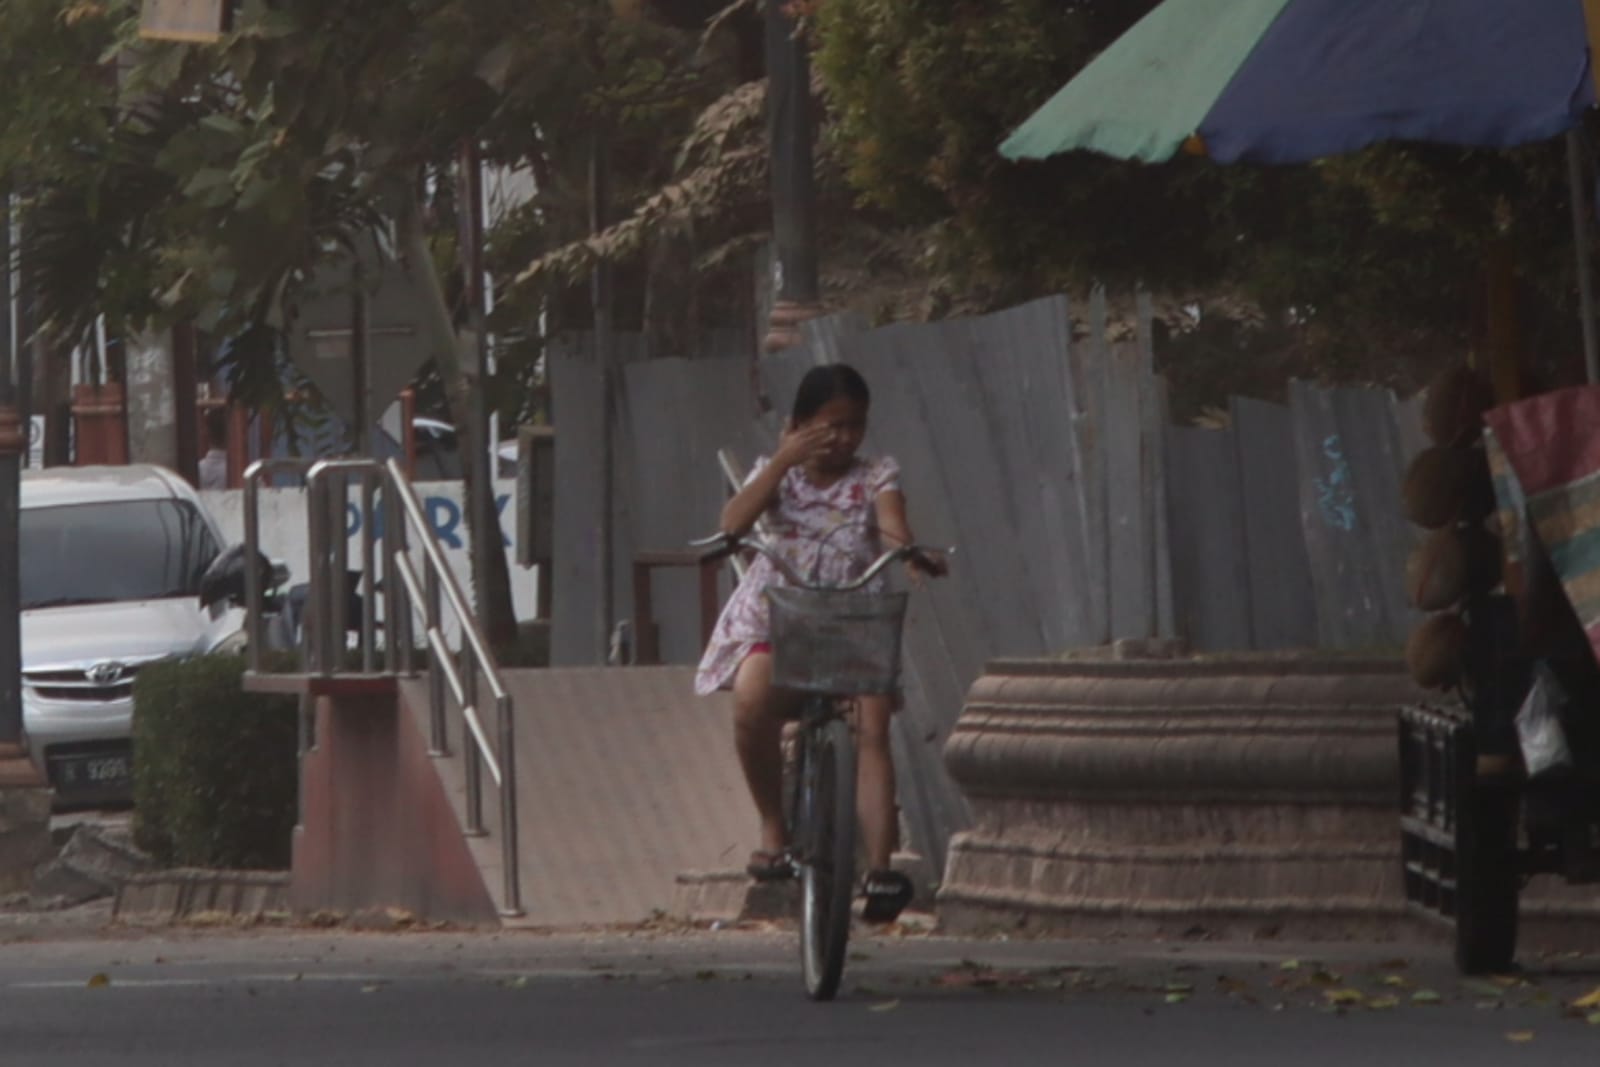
{"x":840,"y":643}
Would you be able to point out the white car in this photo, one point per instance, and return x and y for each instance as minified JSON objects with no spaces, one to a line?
{"x":111,"y":562}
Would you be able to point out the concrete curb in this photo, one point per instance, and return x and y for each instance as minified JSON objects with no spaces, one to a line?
{"x":162,"y":897}
{"x":731,"y":895}
{"x":92,"y":863}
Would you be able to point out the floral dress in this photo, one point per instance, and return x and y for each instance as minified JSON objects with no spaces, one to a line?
{"x":827,"y":534}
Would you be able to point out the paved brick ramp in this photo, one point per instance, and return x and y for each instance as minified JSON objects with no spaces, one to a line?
{"x":625,"y":779}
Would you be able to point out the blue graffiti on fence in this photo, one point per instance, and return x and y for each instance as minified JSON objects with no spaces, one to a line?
{"x":444,"y":515}
{"x":1336,"y":498}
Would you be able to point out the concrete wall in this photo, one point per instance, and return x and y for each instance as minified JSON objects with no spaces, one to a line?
{"x":376,"y":827}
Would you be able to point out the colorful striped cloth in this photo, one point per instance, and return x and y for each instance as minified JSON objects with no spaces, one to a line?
{"x":1544,"y":453}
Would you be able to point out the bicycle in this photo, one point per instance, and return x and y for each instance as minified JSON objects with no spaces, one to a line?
{"x":831,"y":644}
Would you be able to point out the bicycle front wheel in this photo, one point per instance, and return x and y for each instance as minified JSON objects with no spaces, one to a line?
{"x":828,"y":859}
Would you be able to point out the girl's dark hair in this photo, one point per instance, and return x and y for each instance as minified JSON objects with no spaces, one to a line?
{"x":822,"y":384}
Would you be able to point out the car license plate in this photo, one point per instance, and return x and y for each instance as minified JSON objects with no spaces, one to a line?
{"x":92,"y":772}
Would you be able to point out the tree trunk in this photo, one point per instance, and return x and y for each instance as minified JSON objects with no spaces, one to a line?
{"x":495,"y":612}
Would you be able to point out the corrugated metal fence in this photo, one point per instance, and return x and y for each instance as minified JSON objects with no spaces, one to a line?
{"x":1046,"y":456}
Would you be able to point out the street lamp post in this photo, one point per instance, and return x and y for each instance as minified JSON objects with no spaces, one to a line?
{"x":796,"y":292}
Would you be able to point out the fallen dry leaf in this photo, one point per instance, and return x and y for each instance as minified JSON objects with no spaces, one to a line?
{"x":1426,"y":996}
{"x":1177,"y":998}
{"x":1593,"y":1019}
{"x":1383,"y":1003}
{"x":888,"y":1005}
{"x":1520,"y":1037}
{"x":1343,"y":996}
{"x":98,"y":981}
{"x":1397,"y":981}
{"x":1590,"y":999}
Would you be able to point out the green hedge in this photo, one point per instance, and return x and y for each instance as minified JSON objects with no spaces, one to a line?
{"x":215,"y":768}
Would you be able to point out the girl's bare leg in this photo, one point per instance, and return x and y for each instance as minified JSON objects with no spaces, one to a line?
{"x":880,"y":822}
{"x":757,"y":734}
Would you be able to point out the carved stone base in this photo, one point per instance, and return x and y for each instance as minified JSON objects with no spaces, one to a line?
{"x":1246,"y":797}
{"x":1240,"y":797}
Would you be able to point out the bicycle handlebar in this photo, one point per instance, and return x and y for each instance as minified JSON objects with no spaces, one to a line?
{"x":720,"y":546}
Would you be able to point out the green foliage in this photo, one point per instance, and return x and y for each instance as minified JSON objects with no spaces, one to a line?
{"x":922,"y":93}
{"x":215,"y":768}
{"x":170,"y":182}
{"x":1358,"y":264}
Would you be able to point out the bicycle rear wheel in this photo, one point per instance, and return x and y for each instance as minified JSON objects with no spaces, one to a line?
{"x":827,"y":833}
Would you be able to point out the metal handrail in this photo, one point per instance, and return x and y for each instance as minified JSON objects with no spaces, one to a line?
{"x":408,"y":596}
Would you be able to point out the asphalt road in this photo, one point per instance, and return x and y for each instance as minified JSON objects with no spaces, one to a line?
{"x":312,"y":997}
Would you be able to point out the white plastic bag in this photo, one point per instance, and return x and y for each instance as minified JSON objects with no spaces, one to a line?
{"x":1539,"y":732}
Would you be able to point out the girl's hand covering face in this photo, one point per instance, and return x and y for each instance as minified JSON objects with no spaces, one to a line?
{"x":799,"y":445}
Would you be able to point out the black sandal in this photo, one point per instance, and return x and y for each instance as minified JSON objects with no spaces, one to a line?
{"x":768,"y":866}
{"x":887,"y":893}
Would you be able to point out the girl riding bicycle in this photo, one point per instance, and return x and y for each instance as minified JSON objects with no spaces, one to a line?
{"x":826,"y":510}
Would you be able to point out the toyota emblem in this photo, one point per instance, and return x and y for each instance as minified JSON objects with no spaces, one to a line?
{"x":105,"y":673}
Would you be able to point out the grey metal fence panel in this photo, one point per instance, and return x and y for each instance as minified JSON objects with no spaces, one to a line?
{"x":1157,"y":422}
{"x":1157,"y":416}
{"x":1025,"y":384}
{"x":1130,"y":551}
{"x":724,"y":344}
{"x":1282,"y":598}
{"x":678,"y":413}
{"x":821,"y":336}
{"x":1329,"y":521}
{"x":945,"y":368}
{"x":1377,"y":455}
{"x":1089,"y":363}
{"x":1348,"y":452}
{"x":1210,"y":575}
{"x":575,"y":401}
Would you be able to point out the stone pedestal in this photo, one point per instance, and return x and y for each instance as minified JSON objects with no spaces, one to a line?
{"x":1241,"y":797}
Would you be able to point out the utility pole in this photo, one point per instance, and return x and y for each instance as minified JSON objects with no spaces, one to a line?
{"x":605,"y":360}
{"x":796,"y":292}
{"x":13,"y":443}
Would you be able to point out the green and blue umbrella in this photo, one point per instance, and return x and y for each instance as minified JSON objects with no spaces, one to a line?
{"x":1284,"y":81}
